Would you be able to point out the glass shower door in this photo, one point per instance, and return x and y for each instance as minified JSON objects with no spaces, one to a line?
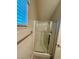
{"x":41,"y":36}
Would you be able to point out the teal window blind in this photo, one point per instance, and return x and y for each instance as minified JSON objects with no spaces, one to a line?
{"x":22,"y":12}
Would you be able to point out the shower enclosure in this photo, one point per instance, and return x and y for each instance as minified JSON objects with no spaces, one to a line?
{"x":45,"y":37}
{"x":46,"y":33}
{"x":41,"y":36}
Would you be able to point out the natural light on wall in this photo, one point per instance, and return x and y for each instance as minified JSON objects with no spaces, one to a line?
{"x":22,"y":12}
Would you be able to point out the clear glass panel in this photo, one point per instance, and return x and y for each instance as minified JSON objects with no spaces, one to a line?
{"x":41,"y":36}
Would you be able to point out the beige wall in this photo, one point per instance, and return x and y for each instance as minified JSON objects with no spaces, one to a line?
{"x":32,"y":12}
{"x":46,"y":8}
{"x":58,"y":49}
{"x":24,"y":49}
{"x":43,"y":10}
{"x":57,"y":13}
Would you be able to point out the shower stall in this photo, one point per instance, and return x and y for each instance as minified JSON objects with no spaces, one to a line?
{"x":45,"y":38}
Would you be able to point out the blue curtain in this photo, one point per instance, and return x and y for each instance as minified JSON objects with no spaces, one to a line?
{"x":22,"y":12}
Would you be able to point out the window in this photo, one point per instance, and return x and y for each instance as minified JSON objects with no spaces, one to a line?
{"x":22,"y":12}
